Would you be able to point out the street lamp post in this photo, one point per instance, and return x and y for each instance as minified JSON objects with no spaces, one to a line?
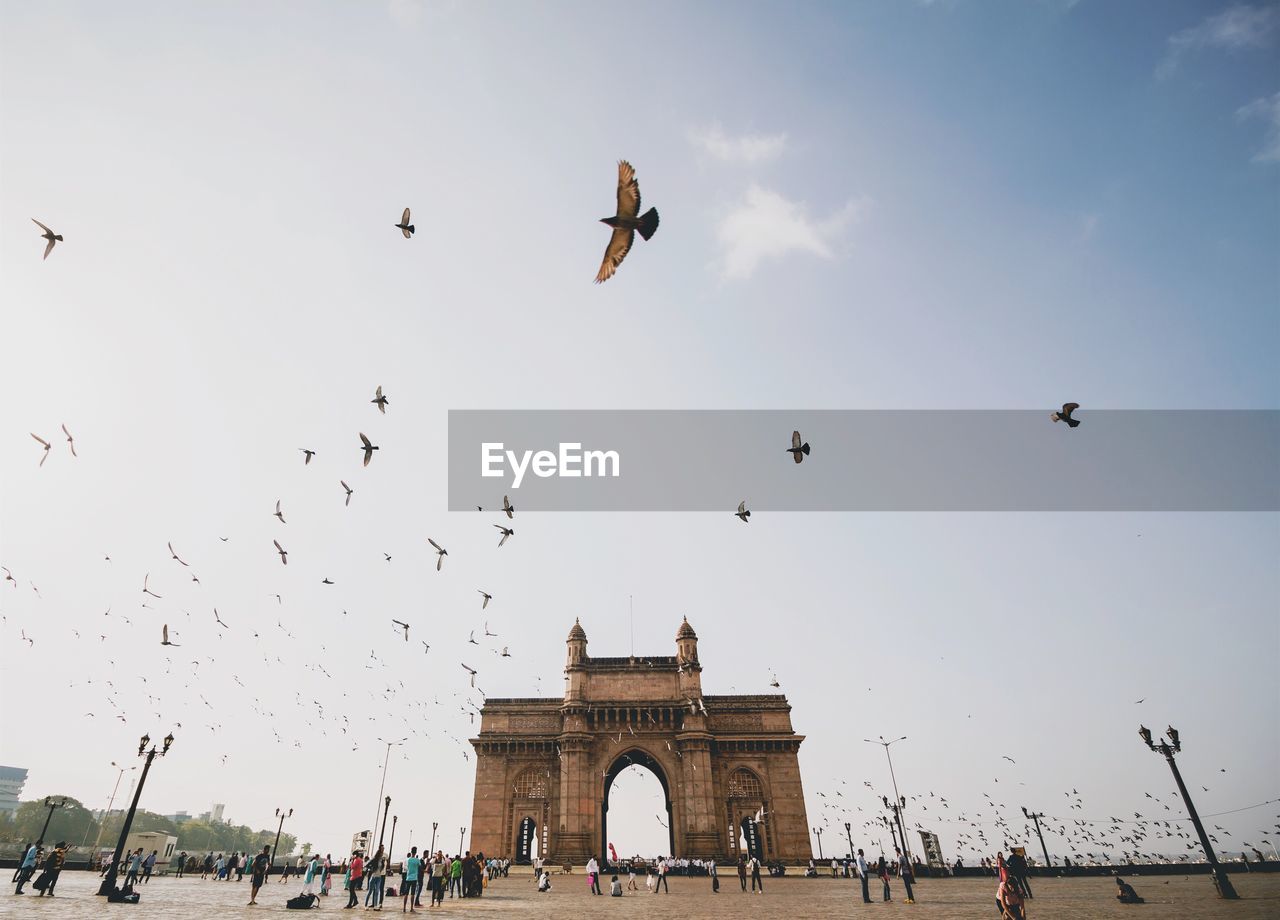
{"x":383,"y":788}
{"x":886,"y":744}
{"x":462,"y":832}
{"x":391,"y":847}
{"x":817,"y":832}
{"x":50,"y":804}
{"x":848,"y":832}
{"x":893,"y":830}
{"x":280,"y":813}
{"x":1036,"y":818}
{"x":1168,"y":749}
{"x":385,"y":811}
{"x":897,"y":817}
{"x":434,"y":825}
{"x":97,"y":841}
{"x":108,"y":886}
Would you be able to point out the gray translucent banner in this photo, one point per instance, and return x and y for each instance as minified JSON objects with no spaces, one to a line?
{"x":1116,"y":460}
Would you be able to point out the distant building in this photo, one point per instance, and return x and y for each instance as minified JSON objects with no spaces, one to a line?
{"x":361,"y":841}
{"x":163,"y":844}
{"x":12,"y":779}
{"x":214,"y":815}
{"x":179,"y":817}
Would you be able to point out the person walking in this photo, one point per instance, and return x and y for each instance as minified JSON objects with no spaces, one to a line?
{"x":863,"y":875}
{"x":412,"y":868}
{"x":754,"y":865}
{"x":147,"y":865}
{"x":373,"y":871}
{"x":715,"y":877}
{"x":355,"y":875}
{"x":48,"y":879}
{"x":631,"y":877}
{"x":593,"y":876}
{"x":135,"y":868}
{"x":261,"y":863}
{"x":1016,"y":865}
{"x":312,"y":878}
{"x":182,"y":863}
{"x":27,"y":867}
{"x":661,"y":882}
{"x":905,"y":873}
{"x":882,"y":870}
{"x":207,"y":866}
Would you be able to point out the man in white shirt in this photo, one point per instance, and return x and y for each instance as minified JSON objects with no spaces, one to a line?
{"x":862,"y":874}
{"x":593,"y":875}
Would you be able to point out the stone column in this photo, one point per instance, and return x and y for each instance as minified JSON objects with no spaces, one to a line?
{"x":698,"y":833}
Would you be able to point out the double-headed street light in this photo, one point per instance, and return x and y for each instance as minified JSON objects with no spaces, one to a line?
{"x":848,"y":832}
{"x":1033,"y":816}
{"x":897,"y":807}
{"x":108,"y":886}
{"x":281,"y":814}
{"x":50,"y":804}
{"x":1168,"y":749}
{"x":886,"y":745}
{"x":817,"y":832}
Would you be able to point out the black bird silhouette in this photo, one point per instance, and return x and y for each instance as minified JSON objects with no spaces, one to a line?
{"x":164,"y":637}
{"x":506,"y":532}
{"x":284,"y":555}
{"x":47,"y":446}
{"x":347,"y":489}
{"x":369,"y":448}
{"x":404,"y":626}
{"x":487,"y":598}
{"x":626,"y":222}
{"x":742,"y":512}
{"x":441,"y":552}
{"x":380,"y":401}
{"x":70,"y":440}
{"x":308,"y":454}
{"x":279,"y":513}
{"x":1065,"y":415}
{"x":48,"y":235}
{"x":798,"y":450}
{"x":404,"y":226}
{"x":508,"y":509}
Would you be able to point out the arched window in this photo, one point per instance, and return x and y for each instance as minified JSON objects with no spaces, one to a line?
{"x":531,"y":784}
{"x":743,"y":784}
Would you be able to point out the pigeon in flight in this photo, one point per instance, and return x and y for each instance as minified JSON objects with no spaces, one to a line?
{"x":404,"y":626}
{"x":174,"y":555}
{"x":472,"y":672}
{"x":145,"y":588}
{"x":307,"y":455}
{"x":441,"y":552}
{"x":797,"y":449}
{"x":626,"y":222}
{"x":404,"y":226}
{"x":284,"y":556}
{"x":279,"y":513}
{"x":217,"y":619}
{"x":46,"y":444}
{"x":48,"y":235}
{"x":506,"y":532}
{"x":380,"y":401}
{"x":471,"y":640}
{"x":508,"y":508}
{"x":346,"y":488}
{"x":369,"y":448}
{"x":487,"y":597}
{"x":1065,"y":415}
{"x":505,"y":653}
{"x":164,"y":637}
{"x":70,"y":440}
{"x":742,"y":512}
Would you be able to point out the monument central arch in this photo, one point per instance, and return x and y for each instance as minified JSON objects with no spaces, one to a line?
{"x":729,"y":764}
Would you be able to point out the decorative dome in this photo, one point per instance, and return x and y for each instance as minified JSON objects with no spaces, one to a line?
{"x":577,"y":632}
{"x":686,"y":631}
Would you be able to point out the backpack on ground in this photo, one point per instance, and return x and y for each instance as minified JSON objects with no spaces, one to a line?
{"x":301,"y":902}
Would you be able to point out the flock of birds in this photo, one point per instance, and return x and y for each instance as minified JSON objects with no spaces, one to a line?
{"x":338,"y":709}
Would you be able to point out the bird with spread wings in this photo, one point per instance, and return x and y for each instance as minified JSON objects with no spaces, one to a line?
{"x":626,"y":222}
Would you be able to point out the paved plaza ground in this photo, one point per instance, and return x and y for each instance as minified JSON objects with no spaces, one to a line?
{"x":690,"y":899}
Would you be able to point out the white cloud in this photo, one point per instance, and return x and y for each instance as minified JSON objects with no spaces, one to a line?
{"x":765,"y":225}
{"x":1231,"y":30}
{"x":745,"y":148}
{"x":1268,"y":109}
{"x":406,"y":13}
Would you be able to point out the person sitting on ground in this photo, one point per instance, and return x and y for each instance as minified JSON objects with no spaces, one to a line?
{"x":615,"y":888}
{"x":544,"y":882}
{"x":1126,"y":894}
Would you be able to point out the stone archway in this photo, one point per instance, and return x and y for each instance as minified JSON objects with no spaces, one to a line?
{"x":553,"y":760}
{"x":635,"y":757}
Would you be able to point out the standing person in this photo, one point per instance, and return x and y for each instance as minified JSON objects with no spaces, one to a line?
{"x":355,"y":873}
{"x":147,"y":865}
{"x":135,"y":867}
{"x":182,"y":863}
{"x":325,"y":878}
{"x":882,"y":870}
{"x":754,"y":865}
{"x":631,"y":877}
{"x":207,"y":866}
{"x":373,"y":870}
{"x":1017,"y":867}
{"x":455,"y":876}
{"x":28,"y":866}
{"x":48,"y":879}
{"x":441,"y":871}
{"x":905,"y":873}
{"x":261,"y":863}
{"x":742,"y":872}
{"x":18,"y":871}
{"x":593,"y":876}
{"x":862,"y":874}
{"x":412,"y":867}
{"x":312,"y":878}
{"x":715,"y":877}
{"x":661,"y":882}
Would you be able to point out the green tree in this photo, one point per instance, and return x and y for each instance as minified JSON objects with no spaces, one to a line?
{"x":71,"y":822}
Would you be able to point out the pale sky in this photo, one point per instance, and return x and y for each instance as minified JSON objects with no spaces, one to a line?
{"x":889,"y":205}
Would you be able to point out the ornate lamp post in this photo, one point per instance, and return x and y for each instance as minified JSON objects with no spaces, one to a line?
{"x":383,"y":788}
{"x":462,"y":832}
{"x":817,"y":832}
{"x":280,"y":813}
{"x":434,"y":825}
{"x":886,"y":744}
{"x":50,"y":804}
{"x":385,"y":811}
{"x":848,"y":832}
{"x":97,"y":841}
{"x":1168,"y":749}
{"x":897,"y":817}
{"x":391,"y":847}
{"x":108,"y":885}
{"x":1036,"y":818}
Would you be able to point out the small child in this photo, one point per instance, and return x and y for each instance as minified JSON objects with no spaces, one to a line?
{"x":648,"y":881}
{"x":631,"y":879}
{"x":615,"y":888}
{"x":544,"y":881}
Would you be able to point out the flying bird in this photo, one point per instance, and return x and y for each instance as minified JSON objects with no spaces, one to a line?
{"x":48,"y":235}
{"x":217,"y":619}
{"x":742,"y":512}
{"x":380,"y":401}
{"x":506,"y":532}
{"x":307,"y":454}
{"x":326,"y":581}
{"x":626,"y":222}
{"x":164,"y":637}
{"x":145,"y":588}
{"x":505,"y":653}
{"x":70,"y":440}
{"x":369,"y":448}
{"x":472,"y":672}
{"x":441,"y":552}
{"x":279,"y":513}
{"x":508,"y":508}
{"x":284,"y":556}
{"x":487,"y":597}
{"x":346,"y":488}
{"x":797,"y":449}
{"x":173,"y":554}
{"x":47,"y":446}
{"x":404,"y":226}
{"x":1065,"y":415}
{"x":404,"y":626}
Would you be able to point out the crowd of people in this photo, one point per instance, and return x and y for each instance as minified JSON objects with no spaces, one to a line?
{"x":49,"y":862}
